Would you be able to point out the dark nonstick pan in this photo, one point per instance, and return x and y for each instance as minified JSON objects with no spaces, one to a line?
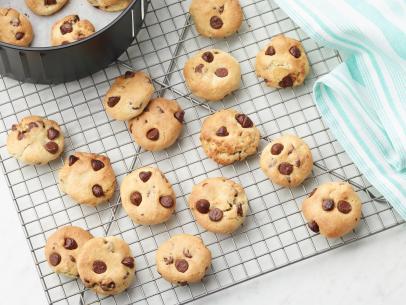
{"x":75,"y":60}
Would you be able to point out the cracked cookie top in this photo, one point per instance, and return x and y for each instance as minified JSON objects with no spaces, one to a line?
{"x":219,"y":205}
{"x":35,"y":140}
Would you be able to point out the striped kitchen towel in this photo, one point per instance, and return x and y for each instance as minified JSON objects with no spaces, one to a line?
{"x":363,"y":100}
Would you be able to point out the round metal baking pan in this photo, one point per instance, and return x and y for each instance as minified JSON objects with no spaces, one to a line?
{"x":52,"y":65}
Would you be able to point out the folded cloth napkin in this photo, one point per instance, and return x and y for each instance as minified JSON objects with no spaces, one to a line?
{"x":363,"y":100}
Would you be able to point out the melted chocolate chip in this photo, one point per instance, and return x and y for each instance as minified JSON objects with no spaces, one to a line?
{"x":51,"y":147}
{"x":287,"y":81}
{"x":203,"y":206}
{"x":15,"y":22}
{"x":208,"y":57}
{"x":239,"y":210}
{"x":97,"y":191}
{"x":144,"y":176}
{"x":277,"y":148}
{"x":216,"y":214}
{"x":222,"y":132}
{"x":72,"y":159}
{"x":66,"y":28}
{"x":314,"y":226}
{"x":244,"y":121}
{"x":136,"y":198}
{"x":179,"y":115}
{"x":187,"y":253}
{"x":344,"y":206}
{"x":312,"y":192}
{"x":199,"y":68}
{"x":285,"y":168}
{"x":52,"y":133}
{"x":128,"y":261}
{"x":108,"y":286}
{"x":181,"y":265}
{"x":99,"y":267}
{"x":129,"y":74}
{"x":168,"y":260}
{"x":112,"y":101}
{"x":166,"y":201}
{"x":153,"y":134}
{"x":221,"y":9}
{"x":295,"y":51}
{"x":54,"y":259}
{"x":32,"y":125}
{"x":97,"y":165}
{"x":14,"y":127}
{"x":20,"y":135}
{"x":270,"y":51}
{"x":327,"y":204}
{"x":216,"y":22}
{"x":297,"y":163}
{"x":19,"y":35}
{"x":49,"y":2}
{"x":70,"y":244}
{"x":221,"y":72}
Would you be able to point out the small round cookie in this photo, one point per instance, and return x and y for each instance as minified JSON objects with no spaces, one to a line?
{"x":219,"y":205}
{"x":70,"y":29}
{"x":63,"y":247}
{"x":287,"y":161}
{"x":87,"y":178}
{"x":228,"y":136}
{"x":45,"y":7}
{"x":128,"y":96}
{"x":159,"y":125}
{"x":147,"y":196}
{"x":282,"y":63}
{"x":333,"y":209}
{"x":106,"y":265}
{"x":212,"y":74}
{"x":183,"y":259}
{"x":35,"y":140}
{"x":110,"y":5}
{"x":16,"y":29}
{"x":216,"y":18}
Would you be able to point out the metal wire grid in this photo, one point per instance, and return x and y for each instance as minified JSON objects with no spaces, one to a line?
{"x":274,"y":234}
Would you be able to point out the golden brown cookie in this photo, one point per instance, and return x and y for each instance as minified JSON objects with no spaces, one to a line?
{"x":70,"y":29}
{"x":15,"y":28}
{"x":45,"y":7}
{"x":110,"y":5}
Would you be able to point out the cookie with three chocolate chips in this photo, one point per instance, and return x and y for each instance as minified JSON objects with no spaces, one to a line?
{"x":15,"y":27}
{"x":70,"y":29}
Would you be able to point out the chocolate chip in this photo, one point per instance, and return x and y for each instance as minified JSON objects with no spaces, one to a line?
{"x":239,"y":210}
{"x":203,"y":206}
{"x":108,"y":286}
{"x":99,"y":267}
{"x":287,"y":81}
{"x":199,"y":68}
{"x":244,"y":121}
{"x":179,"y":115}
{"x":14,"y":127}
{"x":32,"y":125}
{"x":20,"y":135}
{"x":52,"y":133}
{"x":72,"y":159}
{"x":215,"y":214}
{"x":112,"y":101}
{"x":72,"y":259}
{"x":51,"y":147}
{"x":166,"y":201}
{"x":97,"y":164}
{"x":97,"y":190}
{"x":221,"y":9}
{"x":49,"y":2}
{"x":187,"y":253}
{"x":129,"y":74}
{"x":15,"y":22}
{"x":270,"y":51}
{"x":208,"y":57}
{"x":285,"y":168}
{"x":182,"y":283}
{"x":128,"y":261}
{"x":153,"y":134}
{"x":221,"y":72}
{"x":54,"y":259}
{"x":136,"y":198}
{"x":222,"y":132}
{"x":295,"y":51}
{"x":277,"y":148}
{"x":181,"y":265}
{"x":314,"y":226}
{"x":70,"y":244}
{"x":216,"y":22}
{"x":297,"y":163}
{"x":168,"y":260}
{"x":312,"y":192}
{"x":144,"y":176}
{"x":19,"y":35}
{"x":344,"y":206}
{"x":66,"y":28}
{"x":327,"y":204}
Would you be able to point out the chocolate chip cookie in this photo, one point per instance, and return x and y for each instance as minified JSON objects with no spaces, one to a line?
{"x":70,"y":29}
{"x":63,"y":247}
{"x":216,"y":18}
{"x":147,"y":196}
{"x":219,"y":205}
{"x":228,"y":136}
{"x":110,"y":5}
{"x":159,"y":125}
{"x":128,"y":96}
{"x":287,"y":161}
{"x":212,"y":74}
{"x":16,"y":29}
{"x":282,"y":63}
{"x":183,"y":259}
{"x":106,"y":265}
{"x":333,"y":209}
{"x":35,"y":140}
{"x":87,"y":178}
{"x":45,"y":7}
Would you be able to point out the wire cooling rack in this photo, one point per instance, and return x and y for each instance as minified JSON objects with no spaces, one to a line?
{"x":274,"y":234}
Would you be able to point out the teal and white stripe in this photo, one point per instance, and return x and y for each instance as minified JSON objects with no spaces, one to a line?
{"x":363,"y":100}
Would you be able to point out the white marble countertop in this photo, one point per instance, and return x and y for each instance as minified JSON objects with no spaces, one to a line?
{"x":370,"y":271}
